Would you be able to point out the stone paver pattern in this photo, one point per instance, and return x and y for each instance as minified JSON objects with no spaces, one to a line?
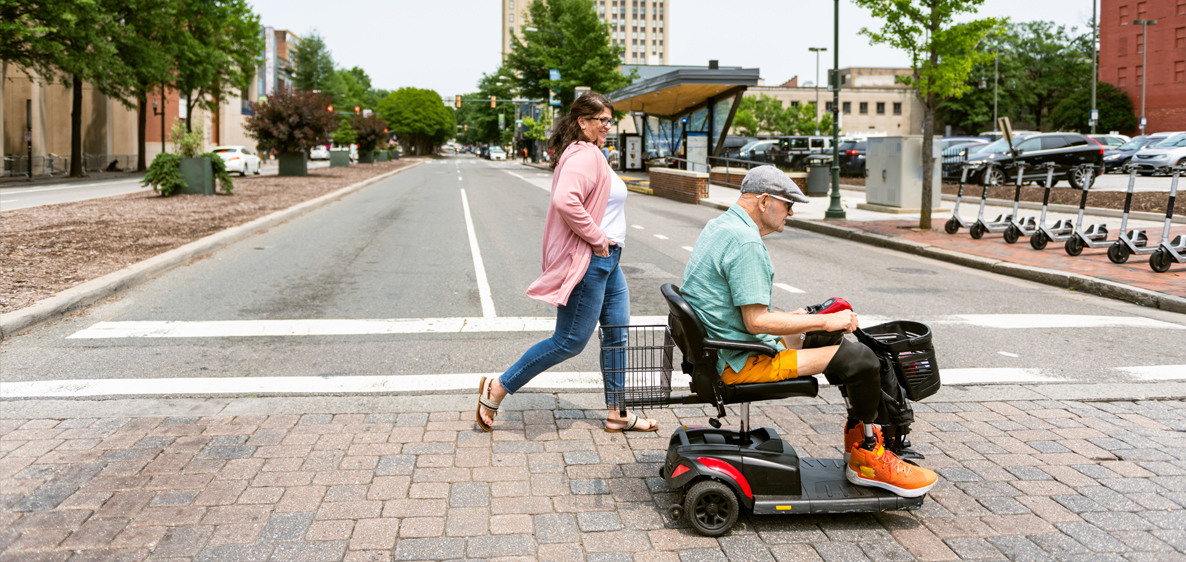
{"x":1037,"y":480}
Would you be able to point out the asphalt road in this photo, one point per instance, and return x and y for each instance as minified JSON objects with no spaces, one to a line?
{"x":392,"y":265}
{"x":18,"y":196}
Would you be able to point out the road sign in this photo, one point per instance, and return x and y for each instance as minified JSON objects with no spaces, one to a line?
{"x":554,"y":75}
{"x":366,"y":113}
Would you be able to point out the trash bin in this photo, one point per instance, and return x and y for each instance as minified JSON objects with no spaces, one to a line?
{"x":819,"y":179}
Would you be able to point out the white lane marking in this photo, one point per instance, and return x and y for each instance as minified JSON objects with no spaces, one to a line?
{"x":514,"y":174}
{"x":637,"y":226}
{"x":1157,"y":372}
{"x":1007,"y":354}
{"x":479,"y":270}
{"x":459,"y":178}
{"x":541,"y":185}
{"x":993,"y":376}
{"x":788,"y":288}
{"x":41,"y":189}
{"x":688,"y":248}
{"x":1015,"y":321}
{"x":8,"y":200}
{"x":661,"y":237}
{"x":328,"y":327}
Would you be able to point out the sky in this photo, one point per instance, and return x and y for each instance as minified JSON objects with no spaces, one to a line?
{"x":446,"y":45}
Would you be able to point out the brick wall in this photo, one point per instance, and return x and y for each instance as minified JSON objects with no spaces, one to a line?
{"x":679,"y":185}
{"x":1166,"y":71}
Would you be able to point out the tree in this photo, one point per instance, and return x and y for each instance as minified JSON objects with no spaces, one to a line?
{"x":481,"y":119}
{"x":314,"y":65}
{"x":419,"y":118}
{"x":222,"y":51}
{"x":147,"y":51}
{"x":354,"y":89}
{"x":571,"y":38}
{"x":371,"y":132}
{"x":290,"y":120}
{"x":942,"y":54}
{"x":1116,"y":113}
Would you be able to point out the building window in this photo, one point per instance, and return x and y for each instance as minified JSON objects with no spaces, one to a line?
{"x":511,"y":29}
{"x":512,"y":4}
{"x":1180,"y":37}
{"x":847,"y":107}
{"x":1140,"y":75}
{"x":1124,"y":15}
{"x":1182,"y":7}
{"x":1122,"y":76}
{"x":1140,"y":43}
{"x":512,"y":16}
{"x":1180,"y":71}
{"x":828,"y":106}
{"x":864,"y":108}
{"x":794,"y":104}
{"x":897,"y":108}
{"x":881,"y":108}
{"x":1141,"y":10}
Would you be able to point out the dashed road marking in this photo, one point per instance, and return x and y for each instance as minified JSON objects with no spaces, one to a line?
{"x":788,"y":288}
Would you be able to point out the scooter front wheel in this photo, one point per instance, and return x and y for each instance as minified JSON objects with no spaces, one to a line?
{"x":951,"y":227}
{"x":1118,"y":252}
{"x":1159,"y":261}
{"x":1012,"y":233}
{"x":1038,"y":240}
{"x":711,"y":508}
{"x":1074,"y":246}
{"x":977,"y":231}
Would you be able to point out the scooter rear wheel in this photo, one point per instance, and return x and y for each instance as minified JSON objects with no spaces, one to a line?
{"x":1074,"y":246}
{"x":711,"y":508}
{"x":1038,"y":240}
{"x":1012,"y":233}
{"x":951,"y":227}
{"x":1159,"y":261}
{"x":977,"y":231}
{"x":1118,"y":252}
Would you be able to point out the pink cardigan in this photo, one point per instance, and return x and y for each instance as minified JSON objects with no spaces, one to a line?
{"x":580,"y":192}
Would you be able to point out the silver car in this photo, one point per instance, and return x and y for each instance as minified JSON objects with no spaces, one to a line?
{"x":1161,"y":157}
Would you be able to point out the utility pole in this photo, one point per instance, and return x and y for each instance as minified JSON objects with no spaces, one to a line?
{"x":817,"y":50}
{"x":996,"y":80}
{"x":1144,"y":69}
{"x":835,"y":211}
{"x":1095,"y":26}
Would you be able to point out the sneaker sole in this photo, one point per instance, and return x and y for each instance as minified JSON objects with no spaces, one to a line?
{"x":854,"y":478}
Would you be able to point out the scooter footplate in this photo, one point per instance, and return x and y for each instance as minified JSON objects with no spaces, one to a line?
{"x":826,"y":490}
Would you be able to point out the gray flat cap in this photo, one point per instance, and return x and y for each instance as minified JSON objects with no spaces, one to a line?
{"x":771,"y":180}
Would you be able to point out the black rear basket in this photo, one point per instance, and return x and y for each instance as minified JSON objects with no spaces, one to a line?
{"x":636,"y":363}
{"x":908,"y":346}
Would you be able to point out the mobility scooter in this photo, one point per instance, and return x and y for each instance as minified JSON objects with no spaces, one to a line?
{"x":721,"y":471}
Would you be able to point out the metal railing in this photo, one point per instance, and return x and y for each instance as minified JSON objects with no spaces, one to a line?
{"x":54,"y":165}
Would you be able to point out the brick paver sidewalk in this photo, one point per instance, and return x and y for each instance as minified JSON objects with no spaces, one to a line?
{"x":1037,"y":480}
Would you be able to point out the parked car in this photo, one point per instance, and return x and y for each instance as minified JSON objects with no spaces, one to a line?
{"x":852,"y":157}
{"x":949,"y":142}
{"x":794,"y":151}
{"x":1066,"y":150}
{"x":955,"y":155}
{"x":497,"y":153}
{"x":319,"y":152}
{"x":238,"y":159}
{"x":756,"y":151}
{"x":1110,"y":141}
{"x":1161,"y":157}
{"x":733,"y":144}
{"x":1116,"y":158}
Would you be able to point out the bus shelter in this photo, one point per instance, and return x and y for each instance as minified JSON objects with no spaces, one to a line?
{"x":684,"y":113}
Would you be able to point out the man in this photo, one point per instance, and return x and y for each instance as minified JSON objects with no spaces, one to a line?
{"x":728,"y":282}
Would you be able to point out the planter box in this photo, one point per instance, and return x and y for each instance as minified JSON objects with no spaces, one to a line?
{"x":365,"y":157}
{"x":339,"y":158}
{"x":199,"y":176}
{"x":293,"y":164}
{"x":380,"y":156}
{"x":394,"y":154}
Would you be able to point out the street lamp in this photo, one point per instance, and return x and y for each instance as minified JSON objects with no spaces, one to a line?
{"x":817,"y":50}
{"x":835,"y":210}
{"x":1095,"y":27}
{"x":1144,"y":71}
{"x":996,"y":80}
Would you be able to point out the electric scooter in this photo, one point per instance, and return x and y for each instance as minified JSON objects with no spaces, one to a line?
{"x":1169,"y":251}
{"x":981,"y":226}
{"x":1061,"y":230}
{"x":1018,"y":227}
{"x":956,"y":222}
{"x":1130,"y":241}
{"x":1096,"y":235}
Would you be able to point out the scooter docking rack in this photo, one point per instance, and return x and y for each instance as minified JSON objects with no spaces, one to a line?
{"x":1094,"y":236}
{"x":1130,"y":242}
{"x":1061,"y":230}
{"x":1167,"y":251}
{"x":956,"y":222}
{"x":981,"y":226}
{"x":1019,"y":226}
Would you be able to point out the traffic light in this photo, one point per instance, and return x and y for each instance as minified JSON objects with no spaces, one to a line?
{"x":330,"y":108}
{"x":357,"y":109}
{"x":493,"y":100}
{"x":466,"y":129}
{"x":458,"y":103}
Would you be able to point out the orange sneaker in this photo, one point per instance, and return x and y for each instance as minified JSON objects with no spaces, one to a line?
{"x":854,"y":437}
{"x":883,"y":469}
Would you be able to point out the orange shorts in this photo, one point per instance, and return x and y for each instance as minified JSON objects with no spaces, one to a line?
{"x":760,"y":368}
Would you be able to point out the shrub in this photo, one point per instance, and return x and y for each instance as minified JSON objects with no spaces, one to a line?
{"x":164,"y":174}
{"x":291,"y":121}
{"x":344,"y":136}
{"x":220,"y":174}
{"x":185,"y":143}
{"x":371,"y":132}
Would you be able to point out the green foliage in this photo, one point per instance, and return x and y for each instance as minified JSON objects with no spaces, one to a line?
{"x":419,"y":118}
{"x":186,"y":144}
{"x":766,"y":115}
{"x":1116,"y":112}
{"x":164,"y":174}
{"x":222,"y":176}
{"x":371,"y":132}
{"x":66,"y":38}
{"x":220,"y":52}
{"x":482,"y":120}
{"x":344,"y":135}
{"x":290,"y":121}
{"x":572,"y":39}
{"x":537,"y":130}
{"x":354,"y":89}
{"x":314,"y":64}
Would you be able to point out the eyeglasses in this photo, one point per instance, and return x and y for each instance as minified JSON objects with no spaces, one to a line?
{"x":605,"y":121}
{"x":790,"y":204}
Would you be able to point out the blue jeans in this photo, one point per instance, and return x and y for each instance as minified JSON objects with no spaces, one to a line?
{"x":602,"y":295}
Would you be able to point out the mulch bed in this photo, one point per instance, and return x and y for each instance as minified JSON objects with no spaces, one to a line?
{"x":51,"y":248}
{"x":1141,"y":201}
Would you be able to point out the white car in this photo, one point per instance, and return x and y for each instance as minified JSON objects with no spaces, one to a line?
{"x":319,"y":152}
{"x":238,"y":159}
{"x":1160,"y":157}
{"x":497,"y":153}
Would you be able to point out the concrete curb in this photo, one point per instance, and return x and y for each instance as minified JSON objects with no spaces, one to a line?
{"x":83,"y":295}
{"x":1061,"y":279}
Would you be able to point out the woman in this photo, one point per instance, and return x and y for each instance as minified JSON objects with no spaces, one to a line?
{"x":583,"y":236}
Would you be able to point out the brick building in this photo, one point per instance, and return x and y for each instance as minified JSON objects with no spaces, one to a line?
{"x":1121,"y":47}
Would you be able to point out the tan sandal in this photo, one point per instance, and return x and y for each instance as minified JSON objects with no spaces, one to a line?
{"x":632,"y":425}
{"x":484,"y":402}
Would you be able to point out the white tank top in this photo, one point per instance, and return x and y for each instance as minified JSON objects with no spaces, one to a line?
{"x":614,"y":221}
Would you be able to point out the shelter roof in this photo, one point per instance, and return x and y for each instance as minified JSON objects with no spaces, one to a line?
{"x":675,"y":92}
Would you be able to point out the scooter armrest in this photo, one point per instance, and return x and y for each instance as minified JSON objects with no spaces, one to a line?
{"x":751,"y":347}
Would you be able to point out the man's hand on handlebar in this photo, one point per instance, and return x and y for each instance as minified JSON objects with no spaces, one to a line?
{"x":842,"y":321}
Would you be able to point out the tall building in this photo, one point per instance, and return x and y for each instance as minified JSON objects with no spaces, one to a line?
{"x":638,"y":25}
{"x":1122,"y":50}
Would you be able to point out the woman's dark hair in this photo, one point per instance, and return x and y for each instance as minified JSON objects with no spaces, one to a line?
{"x":568,"y":128}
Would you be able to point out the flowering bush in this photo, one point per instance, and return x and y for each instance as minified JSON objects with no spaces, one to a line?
{"x":371,"y":132}
{"x":291,"y":121}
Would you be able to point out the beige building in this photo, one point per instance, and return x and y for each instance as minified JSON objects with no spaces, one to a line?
{"x":871,"y":101}
{"x":638,"y":25}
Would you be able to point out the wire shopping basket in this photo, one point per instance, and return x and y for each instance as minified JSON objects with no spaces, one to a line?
{"x":637,"y":362}
{"x":908,"y":346}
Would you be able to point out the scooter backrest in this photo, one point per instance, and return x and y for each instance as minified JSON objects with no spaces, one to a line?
{"x":686,"y":329}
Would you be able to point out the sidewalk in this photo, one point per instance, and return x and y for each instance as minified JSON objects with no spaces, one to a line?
{"x":1025,"y":476}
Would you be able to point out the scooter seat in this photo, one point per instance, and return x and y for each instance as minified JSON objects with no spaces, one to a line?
{"x":758,"y":391}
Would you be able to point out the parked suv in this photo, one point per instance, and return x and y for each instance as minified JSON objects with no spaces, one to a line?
{"x":852,"y":157}
{"x":1067,"y":150}
{"x":1116,"y":157}
{"x":1161,"y":157}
